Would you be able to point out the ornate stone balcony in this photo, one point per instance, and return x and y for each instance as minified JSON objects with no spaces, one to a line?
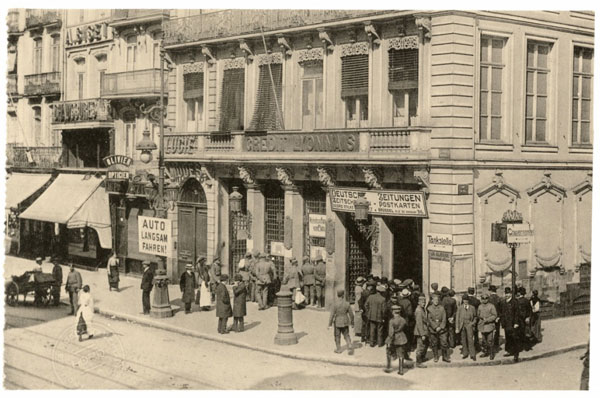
{"x":134,"y":84}
{"x":39,"y":17}
{"x":42,"y":84}
{"x":91,"y":110}
{"x":228,"y":23}
{"x":33,"y":157}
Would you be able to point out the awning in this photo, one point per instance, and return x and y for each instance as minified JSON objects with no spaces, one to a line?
{"x":20,"y":186}
{"x":95,"y":213}
{"x":63,"y":198}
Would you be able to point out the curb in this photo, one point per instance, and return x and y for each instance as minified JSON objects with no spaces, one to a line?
{"x":315,"y":358}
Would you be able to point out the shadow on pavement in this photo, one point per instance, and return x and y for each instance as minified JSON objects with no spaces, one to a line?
{"x":22,"y":316}
{"x":302,"y":381}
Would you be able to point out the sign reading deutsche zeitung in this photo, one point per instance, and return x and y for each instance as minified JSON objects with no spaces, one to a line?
{"x":154,"y":235}
{"x":382,"y":203}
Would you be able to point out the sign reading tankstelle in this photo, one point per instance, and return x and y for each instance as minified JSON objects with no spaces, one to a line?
{"x":382,"y":203}
{"x":154,"y":235}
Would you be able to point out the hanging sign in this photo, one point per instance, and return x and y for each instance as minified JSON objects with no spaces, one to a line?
{"x":154,"y":235}
{"x":113,"y":160}
{"x":382,"y":203}
{"x":317,"y":225}
{"x":519,"y":233}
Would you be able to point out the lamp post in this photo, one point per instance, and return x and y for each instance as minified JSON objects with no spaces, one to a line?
{"x":361,"y":207}
{"x":161,"y":308}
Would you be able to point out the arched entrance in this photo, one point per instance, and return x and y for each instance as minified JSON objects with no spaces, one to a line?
{"x":191,"y":217}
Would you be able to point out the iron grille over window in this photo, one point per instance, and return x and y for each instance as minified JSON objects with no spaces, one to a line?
{"x":232,"y":100}
{"x":355,"y":75}
{"x":266,"y":113}
{"x":193,"y":85}
{"x":403,"y":69}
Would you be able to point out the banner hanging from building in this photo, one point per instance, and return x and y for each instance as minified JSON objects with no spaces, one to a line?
{"x":382,"y":203}
{"x":154,"y":235}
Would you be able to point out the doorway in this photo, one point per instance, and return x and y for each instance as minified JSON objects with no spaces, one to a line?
{"x":358,"y":255}
{"x":192,"y":221}
{"x":407,"y":248}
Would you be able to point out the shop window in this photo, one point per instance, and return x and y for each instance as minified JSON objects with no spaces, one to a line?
{"x":267,"y":110}
{"x":312,"y":95}
{"x":403,"y":83}
{"x":355,"y":89}
{"x":37,"y":55}
{"x":583,"y":74}
{"x":536,"y":107}
{"x":193,"y":95}
{"x":232,"y":100}
{"x":491,"y":88}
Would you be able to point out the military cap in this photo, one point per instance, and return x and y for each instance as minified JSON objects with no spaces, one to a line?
{"x":492,"y":288}
{"x":485,"y":296}
{"x":471,"y":290}
{"x":360,"y":280}
{"x":465,"y":296}
{"x":189,"y":266}
{"x":507,"y":290}
{"x":146,"y":262}
{"x":224,"y":277}
{"x":445,"y":290}
{"x":434,"y":286}
{"x":381,"y":288}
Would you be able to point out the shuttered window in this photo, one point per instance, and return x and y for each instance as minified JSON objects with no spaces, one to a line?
{"x":403,"y":69}
{"x":232,"y":100}
{"x":267,"y":116}
{"x":355,"y":75}
{"x":193,"y":85}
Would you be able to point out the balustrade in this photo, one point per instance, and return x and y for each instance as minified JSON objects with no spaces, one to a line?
{"x":92,"y":110}
{"x":35,"y":157}
{"x":139,"y":82}
{"x":42,"y":83}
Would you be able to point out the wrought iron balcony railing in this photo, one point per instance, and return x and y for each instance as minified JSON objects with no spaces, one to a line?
{"x":40,"y":17}
{"x":34,"y":157}
{"x":239,"y":22}
{"x":90,"y":110}
{"x":42,"y":83}
{"x":131,"y":84}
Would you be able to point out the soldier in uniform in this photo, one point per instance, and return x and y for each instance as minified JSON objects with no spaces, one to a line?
{"x":57,"y":275}
{"x":292,"y":279}
{"x":409,"y":316}
{"x":146,"y":286}
{"x":474,"y":301}
{"x":320,"y":273}
{"x":466,"y":319}
{"x":487,"y":315}
{"x":375,"y":310}
{"x":436,"y":322}
{"x":449,"y":305}
{"x":368,"y":291}
{"x":264,"y":275}
{"x":342,"y":317}
{"x":396,"y":340}
{"x":187,"y":284}
{"x":308,"y":280}
{"x":421,"y":332}
{"x":73,"y":286}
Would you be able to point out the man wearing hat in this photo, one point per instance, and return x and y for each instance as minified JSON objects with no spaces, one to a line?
{"x":320,"y":273}
{"x":434,"y":290}
{"x":187,"y":284}
{"x":38,"y":268}
{"x":292,"y":279}
{"x":214,"y":273}
{"x":524,"y":318}
{"x":396,"y":340}
{"x":495,"y":300}
{"x":486,"y":313}
{"x":57,"y":275}
{"x":421,"y":332}
{"x":265,"y":271}
{"x":244,"y":272}
{"x":436,"y":322}
{"x":73,"y":286}
{"x":509,"y":317}
{"x":362,"y":301}
{"x":342,"y":317}
{"x":222,"y":304}
{"x":409,"y":316}
{"x":375,"y":310}
{"x":359,"y":287}
{"x":146,"y":286}
{"x":308,"y":280}
{"x":449,"y":304}
{"x":253,"y":279}
{"x":466,"y":318}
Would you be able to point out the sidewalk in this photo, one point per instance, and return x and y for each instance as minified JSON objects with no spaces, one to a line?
{"x":315,"y":341}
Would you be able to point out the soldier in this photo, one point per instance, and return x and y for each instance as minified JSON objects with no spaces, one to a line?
{"x":375,"y":310}
{"x":421,"y":333}
{"x":396,"y":340}
{"x":320,"y":274}
{"x":187,"y":284}
{"x":466,"y":318}
{"x":342,"y":317}
{"x":495,"y":300}
{"x":292,"y":279}
{"x":308,"y":280}
{"x":436,"y":321}
{"x":73,"y":286}
{"x":486,"y":313}
{"x":474,"y":301}
{"x":264,"y":275}
{"x":409,"y":317}
{"x":146,"y":286}
{"x":449,"y":305}
{"x":57,"y":275}
{"x":223,"y":304}
{"x":369,"y":290}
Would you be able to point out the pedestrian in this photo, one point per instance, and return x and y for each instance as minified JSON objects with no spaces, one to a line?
{"x":495,"y":300}
{"x":474,"y":301}
{"x":240,"y":291}
{"x":73,"y":286}
{"x":146,"y":286}
{"x":38,"y":266}
{"x":396,"y":340}
{"x":449,"y":305}
{"x":487,"y":315}
{"x":223,"y":304}
{"x":275,"y":284}
{"x":243,"y":270}
{"x":308,"y":281}
{"x":375,"y":309}
{"x":197,"y":266}
{"x":359,"y":287}
{"x":409,"y":316}
{"x":292,"y":279}
{"x":264,"y":275}
{"x":320,"y":275}
{"x":455,"y":338}
{"x":524,"y":333}
{"x":112,"y":270}
{"x":85,"y":314}
{"x":584,"y":383}
{"x":57,"y":276}
{"x":421,"y":332}
{"x":203,"y":296}
{"x":466,"y":318}
{"x":436,"y":322}
{"x":342,"y":318}
{"x":214,"y":274}
{"x":536,"y":320}
{"x":369,"y":290}
{"x":512,"y":325}
{"x":187,"y":285}
{"x":252,"y":270}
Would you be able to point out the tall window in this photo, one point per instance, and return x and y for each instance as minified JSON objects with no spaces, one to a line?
{"x":37,"y":125}
{"x":583,"y":73}
{"x":156,"y":37}
{"x":312,"y":95}
{"x":232,"y":100}
{"x":404,"y":81}
{"x":37,"y":55}
{"x":101,"y":73}
{"x":131,"y":52}
{"x":536,"y":108}
{"x":80,"y":84}
{"x":355,"y":89}
{"x":268,"y":113}
{"x":129,"y":128}
{"x":55,"y":53}
{"x":193,"y":95}
{"x":490,"y":89}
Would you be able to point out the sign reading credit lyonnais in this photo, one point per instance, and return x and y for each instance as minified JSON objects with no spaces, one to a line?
{"x":383,"y":203}
{"x":154,"y":235}
{"x":316,"y":225}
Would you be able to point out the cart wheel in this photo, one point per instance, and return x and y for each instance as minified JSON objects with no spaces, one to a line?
{"x":12,"y":293}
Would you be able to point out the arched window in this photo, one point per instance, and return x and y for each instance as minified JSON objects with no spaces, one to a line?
{"x":192,"y":192}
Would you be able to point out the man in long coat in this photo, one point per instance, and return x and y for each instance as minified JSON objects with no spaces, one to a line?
{"x":57,"y":275}
{"x":375,"y":310}
{"x":264,"y":277}
{"x":320,"y":274}
{"x":308,"y":280}
{"x":73,"y":286}
{"x":449,"y":304}
{"x":496,"y":301}
{"x":214,"y":274}
{"x":146,"y":286}
{"x":187,"y":284}
{"x":239,"y":303}
{"x":466,"y":319}
{"x":409,"y":316}
{"x":486,"y":314}
{"x":292,"y":280}
{"x":436,"y":322}
{"x":512,"y":324}
{"x":223,"y":304}
{"x":421,"y":332}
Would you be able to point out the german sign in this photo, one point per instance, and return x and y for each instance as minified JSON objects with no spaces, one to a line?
{"x":317,"y":225}
{"x":519,"y":233}
{"x":382,"y":203}
{"x":439,"y":242}
{"x":154,"y":235}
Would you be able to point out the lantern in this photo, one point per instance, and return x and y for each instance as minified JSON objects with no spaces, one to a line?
{"x":361,"y":207}
{"x":235,"y":201}
{"x":146,"y":146}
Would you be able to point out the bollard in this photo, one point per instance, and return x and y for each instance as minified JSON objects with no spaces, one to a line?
{"x":285,"y":327}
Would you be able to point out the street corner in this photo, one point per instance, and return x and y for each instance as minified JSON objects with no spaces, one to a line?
{"x":103,"y":354}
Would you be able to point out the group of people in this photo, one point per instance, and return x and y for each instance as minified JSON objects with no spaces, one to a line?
{"x":396,"y":314}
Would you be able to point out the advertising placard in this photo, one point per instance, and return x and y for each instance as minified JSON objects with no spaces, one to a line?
{"x":382,"y":203}
{"x":154,"y":235}
{"x":317,"y":225}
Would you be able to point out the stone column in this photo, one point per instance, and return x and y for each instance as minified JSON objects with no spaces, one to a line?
{"x":336,"y":260}
{"x":255,"y":203}
{"x":294,"y":211}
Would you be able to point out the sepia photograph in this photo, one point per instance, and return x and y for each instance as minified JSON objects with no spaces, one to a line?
{"x":297,"y":199}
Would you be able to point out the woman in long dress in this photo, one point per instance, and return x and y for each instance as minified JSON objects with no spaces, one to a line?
{"x":85,"y":314}
{"x":203,"y":285}
{"x":112,"y":269}
{"x":536,"y":321}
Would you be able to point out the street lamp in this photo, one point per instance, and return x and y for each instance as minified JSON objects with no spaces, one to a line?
{"x":361,"y":207}
{"x":146,"y":146}
{"x":235,"y":201}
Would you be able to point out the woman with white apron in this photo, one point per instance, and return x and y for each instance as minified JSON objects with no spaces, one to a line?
{"x":203,"y":285}
{"x":85,"y":314}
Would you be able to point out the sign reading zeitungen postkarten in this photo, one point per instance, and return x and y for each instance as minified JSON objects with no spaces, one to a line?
{"x":382,"y":203}
{"x":154,"y":235}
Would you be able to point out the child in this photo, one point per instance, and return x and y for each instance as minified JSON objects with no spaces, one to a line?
{"x":343,"y":316}
{"x":396,"y":340}
{"x":239,"y":303}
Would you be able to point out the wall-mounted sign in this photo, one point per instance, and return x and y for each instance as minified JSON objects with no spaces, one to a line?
{"x":87,"y":34}
{"x":117,"y":175}
{"x":317,"y":225}
{"x":277,"y":249}
{"x":181,"y":144}
{"x":383,"y":203}
{"x":117,"y":159}
{"x":154,"y":235}
{"x":439,"y":242}
{"x":300,"y":142}
{"x":519,"y":233}
{"x":440,"y":267}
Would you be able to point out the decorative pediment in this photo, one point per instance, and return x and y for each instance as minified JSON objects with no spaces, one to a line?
{"x":499,"y":186}
{"x":310,"y":55}
{"x":547,"y":186}
{"x":234,"y":63}
{"x":583,"y":187}
{"x":273,"y":58}
{"x":194,"y":67}
{"x":360,"y":48}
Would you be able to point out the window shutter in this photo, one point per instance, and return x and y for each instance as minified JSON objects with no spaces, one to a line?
{"x":232,"y":100}
{"x":193,"y":85}
{"x":266,"y":115}
{"x":355,"y":75}
{"x":403,"y":69}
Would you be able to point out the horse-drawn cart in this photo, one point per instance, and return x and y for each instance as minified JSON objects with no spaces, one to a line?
{"x":31,"y":281}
